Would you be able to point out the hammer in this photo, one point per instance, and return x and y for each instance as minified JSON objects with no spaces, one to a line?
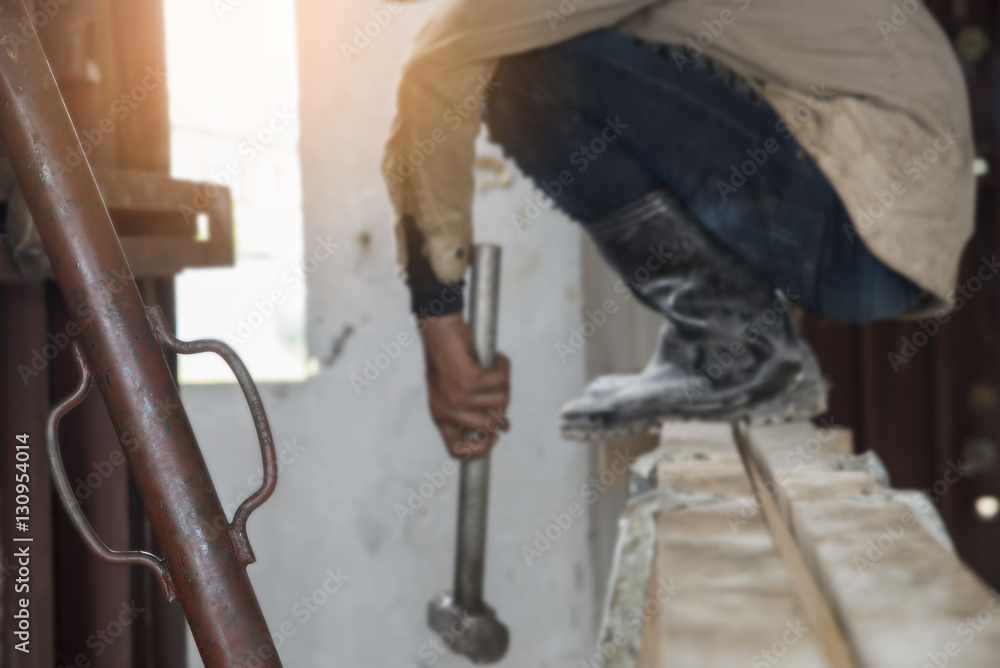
{"x":472,"y":626}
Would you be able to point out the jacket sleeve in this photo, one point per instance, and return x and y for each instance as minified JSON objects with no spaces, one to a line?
{"x":428,"y":163}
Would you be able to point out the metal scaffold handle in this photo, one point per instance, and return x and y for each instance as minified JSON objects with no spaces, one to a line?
{"x":64,"y":488}
{"x":238,"y":528}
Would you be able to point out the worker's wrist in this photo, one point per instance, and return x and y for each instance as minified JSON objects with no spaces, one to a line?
{"x":440,"y":300}
{"x":429,"y":295}
{"x":440,"y":334}
{"x":442,"y":325}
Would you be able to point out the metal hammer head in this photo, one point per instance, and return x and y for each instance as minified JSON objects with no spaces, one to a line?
{"x":477,"y":635}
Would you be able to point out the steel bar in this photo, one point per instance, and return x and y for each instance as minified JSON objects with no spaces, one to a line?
{"x":128,"y":365}
{"x":160,"y":637}
{"x":474,"y":477}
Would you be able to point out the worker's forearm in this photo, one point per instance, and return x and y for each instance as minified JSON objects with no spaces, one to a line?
{"x":429,"y":297}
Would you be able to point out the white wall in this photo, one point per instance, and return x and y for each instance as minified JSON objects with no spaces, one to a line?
{"x":356,"y":455}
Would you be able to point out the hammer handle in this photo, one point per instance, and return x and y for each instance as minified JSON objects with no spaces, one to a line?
{"x":474,"y":478}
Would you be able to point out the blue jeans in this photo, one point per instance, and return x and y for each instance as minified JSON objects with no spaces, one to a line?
{"x":603,"y":119}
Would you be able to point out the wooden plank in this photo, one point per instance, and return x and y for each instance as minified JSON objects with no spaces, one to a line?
{"x":817,"y":608}
{"x":902,"y":597}
{"x":843,"y":441}
{"x":719,"y":593}
{"x":700,"y":458}
{"x":797,"y":458}
{"x":734,"y":604}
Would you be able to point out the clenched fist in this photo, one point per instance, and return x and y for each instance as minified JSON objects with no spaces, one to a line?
{"x":468,"y":403}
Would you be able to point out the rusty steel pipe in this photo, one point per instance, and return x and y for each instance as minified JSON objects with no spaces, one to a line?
{"x":128,"y":366}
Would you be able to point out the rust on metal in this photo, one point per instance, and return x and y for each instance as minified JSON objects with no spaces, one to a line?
{"x":125,"y":357}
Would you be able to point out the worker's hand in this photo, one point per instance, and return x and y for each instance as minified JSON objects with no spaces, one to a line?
{"x":468,"y":403}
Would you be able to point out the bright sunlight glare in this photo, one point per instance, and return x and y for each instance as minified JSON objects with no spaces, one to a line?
{"x":234,"y":121}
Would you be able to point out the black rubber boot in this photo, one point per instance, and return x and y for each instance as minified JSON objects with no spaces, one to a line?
{"x":727,"y":349}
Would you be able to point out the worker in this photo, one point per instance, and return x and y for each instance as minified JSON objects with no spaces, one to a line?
{"x":729,"y":158}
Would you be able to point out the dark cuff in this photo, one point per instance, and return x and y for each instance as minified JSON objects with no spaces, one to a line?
{"x":429,"y":297}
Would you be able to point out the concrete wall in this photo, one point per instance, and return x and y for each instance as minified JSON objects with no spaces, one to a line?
{"x":349,"y":455}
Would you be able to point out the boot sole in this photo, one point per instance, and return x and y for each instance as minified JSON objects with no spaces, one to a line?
{"x":804,"y":399}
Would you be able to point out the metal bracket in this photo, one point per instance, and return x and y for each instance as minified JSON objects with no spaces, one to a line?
{"x":65,"y":490}
{"x":156,"y":217}
{"x":238,"y":527}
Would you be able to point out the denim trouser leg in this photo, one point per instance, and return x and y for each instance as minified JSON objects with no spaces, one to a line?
{"x":603,"y":119}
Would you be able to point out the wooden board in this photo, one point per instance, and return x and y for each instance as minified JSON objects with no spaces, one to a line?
{"x":901,"y":596}
{"x":718,"y":593}
{"x":734,"y":602}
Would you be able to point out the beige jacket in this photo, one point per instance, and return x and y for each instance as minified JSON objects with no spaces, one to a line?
{"x":870,"y":88}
